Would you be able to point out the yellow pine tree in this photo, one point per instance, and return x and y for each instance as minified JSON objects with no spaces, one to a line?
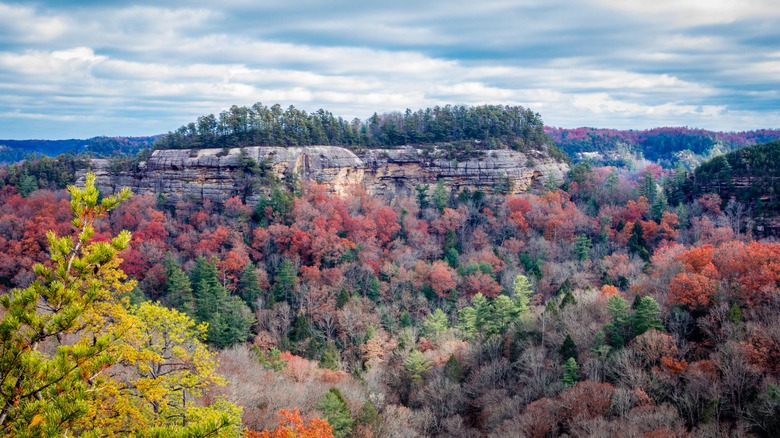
{"x":77,"y":360}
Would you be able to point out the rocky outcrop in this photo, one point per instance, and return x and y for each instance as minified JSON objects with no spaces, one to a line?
{"x":218,"y":174}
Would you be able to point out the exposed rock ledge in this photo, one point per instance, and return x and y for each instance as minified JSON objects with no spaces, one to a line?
{"x":213,"y":174}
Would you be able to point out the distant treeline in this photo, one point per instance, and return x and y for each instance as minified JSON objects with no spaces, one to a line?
{"x":659,"y":144}
{"x":750,"y":176}
{"x":497,"y":126}
{"x":12,"y":151}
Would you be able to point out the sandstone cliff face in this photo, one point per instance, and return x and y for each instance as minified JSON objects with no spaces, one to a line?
{"x":214,"y":174}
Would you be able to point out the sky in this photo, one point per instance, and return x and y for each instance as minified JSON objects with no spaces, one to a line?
{"x":79,"y":69}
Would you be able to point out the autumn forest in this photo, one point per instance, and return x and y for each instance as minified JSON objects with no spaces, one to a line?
{"x":638,"y":297}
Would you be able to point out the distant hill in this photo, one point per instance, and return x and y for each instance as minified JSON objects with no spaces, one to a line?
{"x":749,"y":176}
{"x":12,"y":151}
{"x":666,"y":146}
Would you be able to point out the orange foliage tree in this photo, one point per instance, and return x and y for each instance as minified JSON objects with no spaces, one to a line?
{"x":292,"y":425}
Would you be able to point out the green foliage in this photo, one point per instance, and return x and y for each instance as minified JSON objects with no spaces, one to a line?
{"x":422,"y":195}
{"x":440,"y":196}
{"x":647,"y":316}
{"x":582,"y":246}
{"x":485,"y":317}
{"x":735,"y":314}
{"x":618,"y":329}
{"x":229,"y":318}
{"x":249,"y":286}
{"x":453,"y":369}
{"x":435,"y":324}
{"x":284,"y":282}
{"x":571,"y":372}
{"x":178,"y":287}
{"x":301,"y":330}
{"x":459,"y":126}
{"x":335,"y":410}
{"x":568,"y":349}
{"x":329,"y":359}
{"x":374,"y":289}
{"x":270,"y":359}
{"x":53,"y":388}
{"x":416,"y":365}
{"x":523,"y":290}
{"x":637,"y":243}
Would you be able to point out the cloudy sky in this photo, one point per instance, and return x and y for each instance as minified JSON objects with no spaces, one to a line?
{"x":86,"y":68}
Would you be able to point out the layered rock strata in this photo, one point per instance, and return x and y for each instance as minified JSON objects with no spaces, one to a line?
{"x":217,"y":174}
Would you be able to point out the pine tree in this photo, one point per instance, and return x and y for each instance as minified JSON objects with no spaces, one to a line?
{"x":453,"y":370}
{"x":617,"y":330}
{"x":178,"y":287}
{"x":249,"y":286}
{"x":440,"y":196}
{"x":582,"y":247}
{"x":334,"y":408}
{"x":523,"y":290}
{"x":416,"y":365}
{"x":329,"y":359}
{"x":571,"y":372}
{"x":637,"y":243}
{"x":53,"y":388}
{"x":435,"y":324}
{"x":568,"y":349}
{"x":646,"y":316}
{"x":284,"y":282}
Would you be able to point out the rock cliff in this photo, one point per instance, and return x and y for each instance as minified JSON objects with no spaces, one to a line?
{"x":217,"y":174}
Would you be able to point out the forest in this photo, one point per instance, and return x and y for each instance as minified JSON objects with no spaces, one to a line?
{"x":628,"y":301}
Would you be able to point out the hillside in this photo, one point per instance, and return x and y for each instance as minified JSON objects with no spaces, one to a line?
{"x":666,"y":146}
{"x":12,"y":151}
{"x":749,"y":176}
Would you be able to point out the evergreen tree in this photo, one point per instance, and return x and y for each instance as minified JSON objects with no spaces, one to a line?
{"x":637,"y":243}
{"x":568,"y":298}
{"x":422,"y":195}
{"x":329,"y":359}
{"x":249,"y":286}
{"x":374,"y":289}
{"x":571,"y":372}
{"x":178,"y":288}
{"x":284,"y":282}
{"x":646,"y":316}
{"x":648,"y":187}
{"x":568,"y":349}
{"x":416,"y":365}
{"x":453,"y":369}
{"x":301,"y":329}
{"x":435,"y":324}
{"x":523,"y":290}
{"x":440,"y":196}
{"x":735,"y":314}
{"x":582,"y":247}
{"x":334,"y":408}
{"x":617,"y":330}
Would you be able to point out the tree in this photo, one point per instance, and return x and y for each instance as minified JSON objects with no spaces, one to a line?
{"x":249,"y":286}
{"x":523,"y":290}
{"x":435,"y":324}
{"x":178,"y":288}
{"x":571,"y":372}
{"x":52,"y":394}
{"x":335,"y":410}
{"x":291,"y":425}
{"x":453,"y":369}
{"x":568,"y":348}
{"x":647,"y":316}
{"x":440,"y":196}
{"x":72,"y":352}
{"x":582,"y":247}
{"x":617,"y":330}
{"x":416,"y":365}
